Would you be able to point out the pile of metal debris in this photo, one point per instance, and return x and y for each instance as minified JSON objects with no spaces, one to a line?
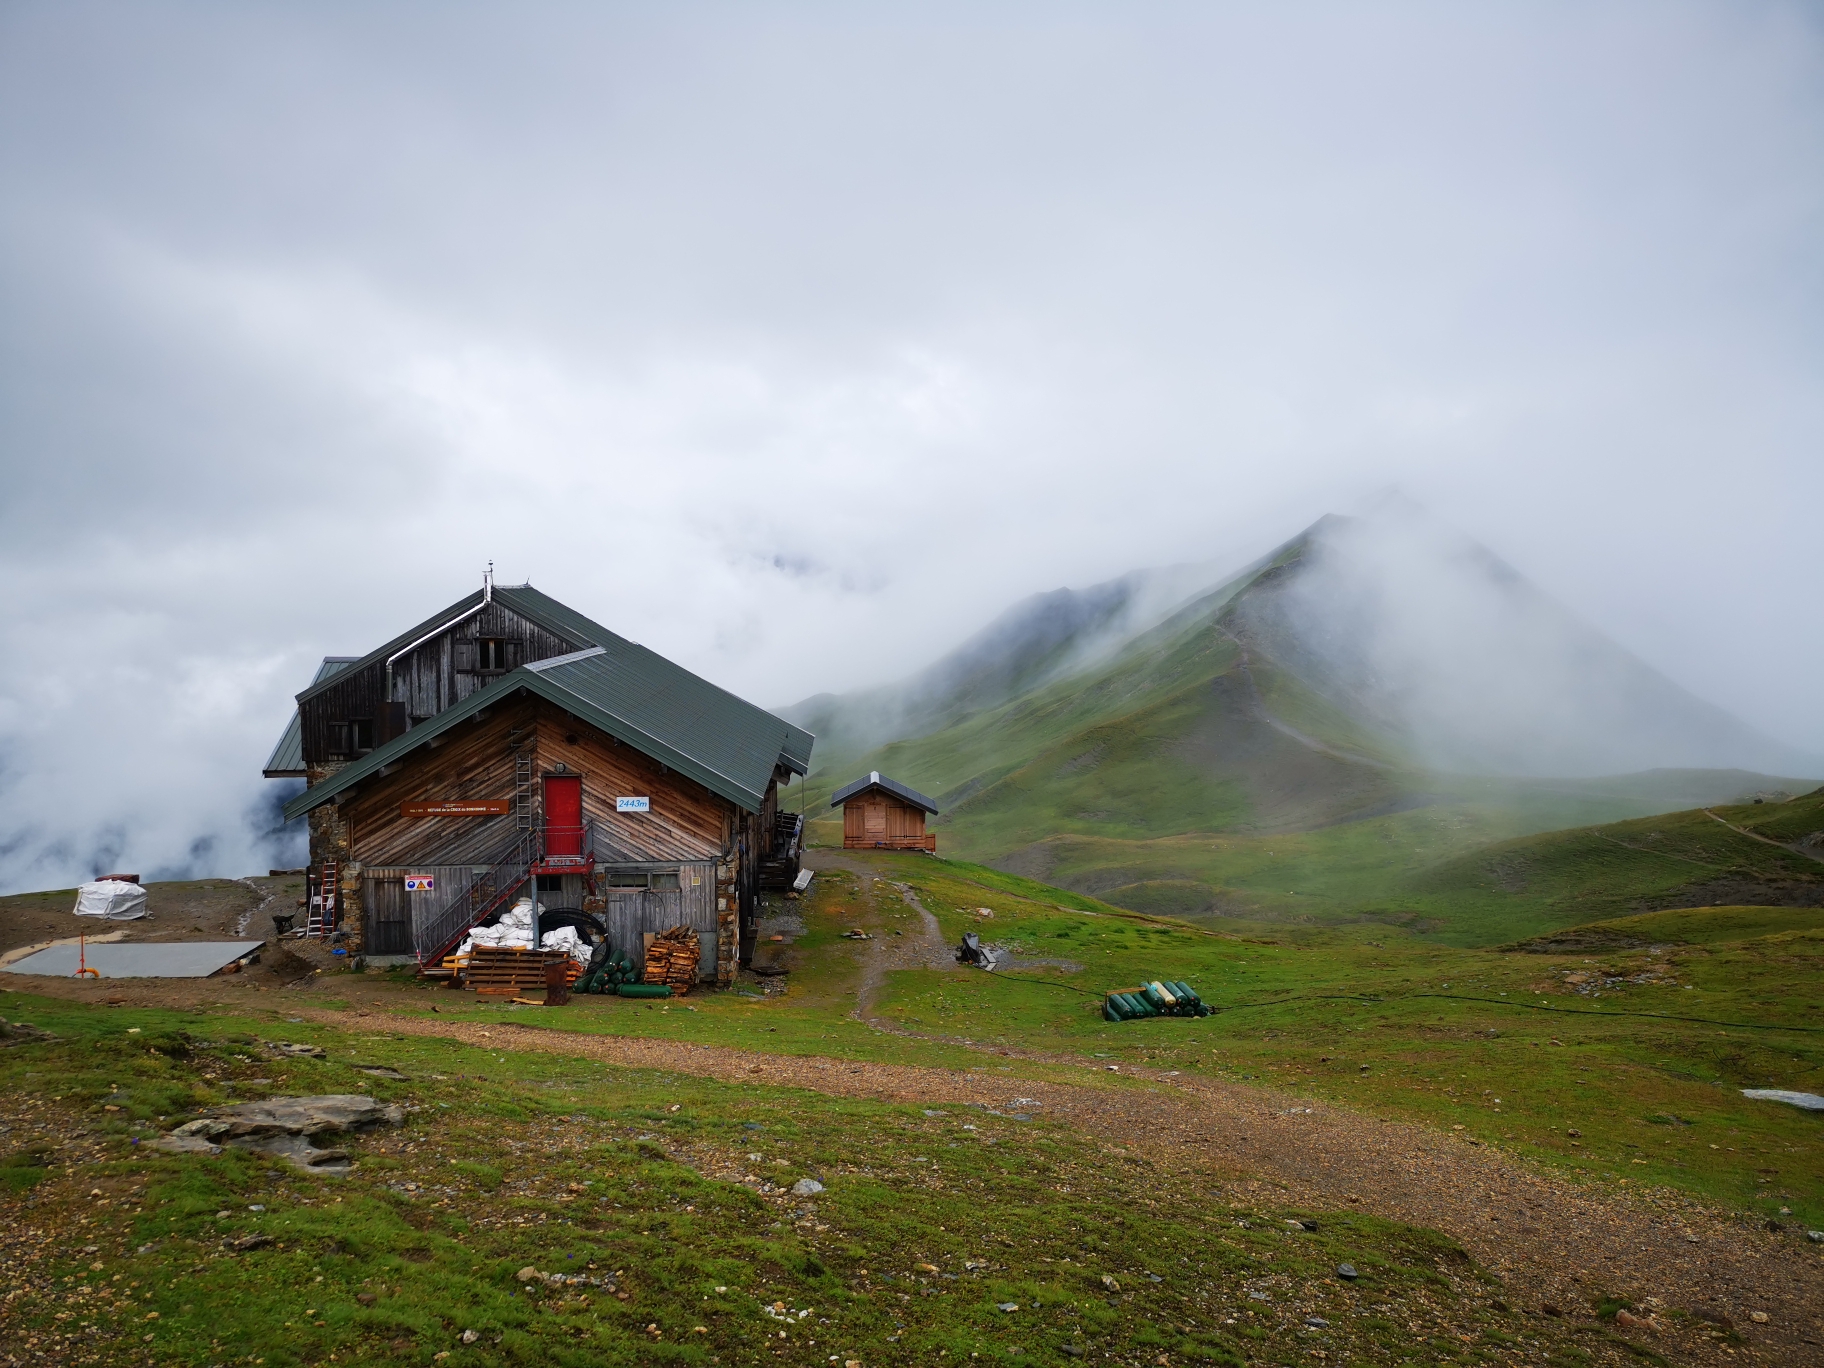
{"x":972,"y":951}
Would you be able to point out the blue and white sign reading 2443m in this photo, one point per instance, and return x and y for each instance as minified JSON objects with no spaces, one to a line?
{"x":633,"y":805}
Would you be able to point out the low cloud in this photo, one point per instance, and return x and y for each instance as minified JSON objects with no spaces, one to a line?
{"x":798,"y":346}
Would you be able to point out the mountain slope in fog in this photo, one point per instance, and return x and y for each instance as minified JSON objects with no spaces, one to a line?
{"x":1039,"y":640}
{"x":1363,"y":668}
{"x":1426,"y":638}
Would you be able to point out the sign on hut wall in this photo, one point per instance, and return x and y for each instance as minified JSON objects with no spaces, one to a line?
{"x":457,"y":807}
{"x":633,"y":805}
{"x":420,"y":883}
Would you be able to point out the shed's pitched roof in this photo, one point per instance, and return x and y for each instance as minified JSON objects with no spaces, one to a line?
{"x":287,"y":758}
{"x":874,"y":779}
{"x":634,"y":695}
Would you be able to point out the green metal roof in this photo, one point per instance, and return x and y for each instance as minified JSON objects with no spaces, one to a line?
{"x":634,"y":695}
{"x":287,"y":758}
{"x":644,"y":672}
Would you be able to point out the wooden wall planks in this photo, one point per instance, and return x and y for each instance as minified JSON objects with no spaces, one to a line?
{"x":875,"y":818}
{"x":687,"y":826}
{"x":687,"y":822}
{"x":428,"y":679}
{"x":472,"y":762}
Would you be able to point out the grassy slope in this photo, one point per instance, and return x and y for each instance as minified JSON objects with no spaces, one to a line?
{"x":670,"y":1196}
{"x":1674,"y":859}
{"x":1517,"y":1049}
{"x":1157,"y":781}
{"x":1490,"y":1028}
{"x":1456,"y":870}
{"x":1449,"y":1029}
{"x":968,"y":756}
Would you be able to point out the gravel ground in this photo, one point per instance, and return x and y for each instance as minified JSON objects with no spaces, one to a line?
{"x":1552,"y":1243}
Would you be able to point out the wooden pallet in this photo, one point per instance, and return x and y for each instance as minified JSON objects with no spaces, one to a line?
{"x":504,"y":970}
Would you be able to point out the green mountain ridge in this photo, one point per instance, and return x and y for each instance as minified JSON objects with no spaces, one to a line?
{"x":1151,"y":773}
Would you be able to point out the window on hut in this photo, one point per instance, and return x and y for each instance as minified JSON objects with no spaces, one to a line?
{"x":641,"y":878}
{"x":361,"y":734}
{"x":491,"y":654}
{"x":550,"y":883}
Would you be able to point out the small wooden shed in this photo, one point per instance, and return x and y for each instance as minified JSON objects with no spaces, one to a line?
{"x":879,"y":813}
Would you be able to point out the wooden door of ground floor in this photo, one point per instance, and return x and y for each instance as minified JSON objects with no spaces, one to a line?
{"x":656,"y":897}
{"x":386,"y":917}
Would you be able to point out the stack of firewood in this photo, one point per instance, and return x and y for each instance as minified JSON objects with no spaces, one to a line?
{"x":673,"y":957}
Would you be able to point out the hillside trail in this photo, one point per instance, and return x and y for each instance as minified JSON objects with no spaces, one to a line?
{"x":1795,"y":848}
{"x":1552,"y":1242}
{"x":1286,"y":729}
{"x":923,"y":949}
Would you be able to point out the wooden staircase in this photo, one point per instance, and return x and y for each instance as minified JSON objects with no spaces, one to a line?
{"x":779,"y":866}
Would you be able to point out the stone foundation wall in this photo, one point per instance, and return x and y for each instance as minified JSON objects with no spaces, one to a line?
{"x":728,"y":922}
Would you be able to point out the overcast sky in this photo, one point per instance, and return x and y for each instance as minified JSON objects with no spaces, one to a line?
{"x":797,"y":342}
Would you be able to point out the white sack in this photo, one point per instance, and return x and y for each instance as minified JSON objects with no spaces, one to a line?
{"x":111,"y":899}
{"x":513,"y":929}
{"x":567,"y":939}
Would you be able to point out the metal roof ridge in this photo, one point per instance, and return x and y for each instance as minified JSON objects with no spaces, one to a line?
{"x":679,"y":761}
{"x":524,"y":676}
{"x":875,"y":779}
{"x":552,"y":662}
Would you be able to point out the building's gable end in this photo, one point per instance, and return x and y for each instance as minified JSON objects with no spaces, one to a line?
{"x":420,"y":676}
{"x":287,"y":758}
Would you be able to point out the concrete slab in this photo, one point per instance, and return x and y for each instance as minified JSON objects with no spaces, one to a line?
{"x":139,"y":959}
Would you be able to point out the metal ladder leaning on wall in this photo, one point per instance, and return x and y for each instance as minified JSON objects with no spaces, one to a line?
{"x":523,"y":764}
{"x":325,"y":902}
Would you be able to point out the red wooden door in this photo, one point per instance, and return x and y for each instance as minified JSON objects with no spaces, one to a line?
{"x":563,"y":816}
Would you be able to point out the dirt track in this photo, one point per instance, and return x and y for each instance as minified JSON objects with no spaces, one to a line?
{"x":1551,"y":1242}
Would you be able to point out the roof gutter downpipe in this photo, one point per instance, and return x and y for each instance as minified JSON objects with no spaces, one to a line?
{"x":487,"y":597}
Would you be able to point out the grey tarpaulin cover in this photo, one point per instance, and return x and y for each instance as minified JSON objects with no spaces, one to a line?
{"x":138,"y":959}
{"x":1809,"y":1101}
{"x":111,"y":899}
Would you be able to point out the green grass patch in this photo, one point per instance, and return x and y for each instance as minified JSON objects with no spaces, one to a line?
{"x":1516,"y":1049}
{"x":659,"y":1216}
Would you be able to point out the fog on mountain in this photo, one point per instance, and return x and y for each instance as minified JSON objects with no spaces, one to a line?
{"x":1345,"y":673}
{"x":1431,"y":639}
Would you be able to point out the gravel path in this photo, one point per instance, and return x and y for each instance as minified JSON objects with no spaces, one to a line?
{"x":1553,"y":1243}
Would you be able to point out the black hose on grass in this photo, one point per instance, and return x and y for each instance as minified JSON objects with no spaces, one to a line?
{"x":1049,"y":983}
{"x":1528,"y":1006}
{"x":1650,"y":1016}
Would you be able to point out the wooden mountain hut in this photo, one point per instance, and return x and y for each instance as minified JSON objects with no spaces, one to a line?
{"x":879,"y":813}
{"x":510,"y":746}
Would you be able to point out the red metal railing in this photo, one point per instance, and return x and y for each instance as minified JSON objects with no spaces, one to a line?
{"x":438,"y":931}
